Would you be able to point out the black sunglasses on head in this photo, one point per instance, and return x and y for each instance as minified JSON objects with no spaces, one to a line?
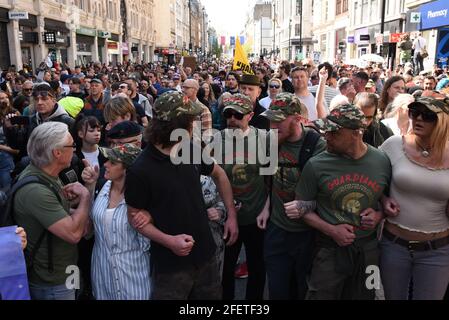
{"x":426,"y":115}
{"x":228,"y":114}
{"x":43,"y":94}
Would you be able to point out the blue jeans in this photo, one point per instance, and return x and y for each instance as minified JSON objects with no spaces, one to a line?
{"x":429,"y":270}
{"x":288,"y":259}
{"x":6,"y":167}
{"x":40,"y":292}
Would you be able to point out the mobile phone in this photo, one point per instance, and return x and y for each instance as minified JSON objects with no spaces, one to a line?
{"x":20,"y":120}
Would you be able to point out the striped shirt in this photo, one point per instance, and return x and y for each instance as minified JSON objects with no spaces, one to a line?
{"x":206,"y":122}
{"x":120,"y":258}
{"x":329,"y":94}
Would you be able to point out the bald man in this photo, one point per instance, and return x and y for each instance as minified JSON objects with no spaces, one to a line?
{"x":190,"y":88}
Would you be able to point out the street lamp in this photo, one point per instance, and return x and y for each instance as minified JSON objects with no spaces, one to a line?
{"x":300,"y":26}
{"x":190,"y":26}
{"x":289,"y":41}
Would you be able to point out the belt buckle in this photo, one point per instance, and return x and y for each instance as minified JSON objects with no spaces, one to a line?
{"x":411,"y":243}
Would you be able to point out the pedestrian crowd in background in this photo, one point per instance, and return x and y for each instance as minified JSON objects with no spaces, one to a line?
{"x":361,"y":179}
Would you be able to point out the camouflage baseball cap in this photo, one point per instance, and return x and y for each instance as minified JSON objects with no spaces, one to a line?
{"x":284,"y":105}
{"x":346,"y":116}
{"x":435,"y":105}
{"x":125,"y":153}
{"x":238,"y":102}
{"x":173,"y":104}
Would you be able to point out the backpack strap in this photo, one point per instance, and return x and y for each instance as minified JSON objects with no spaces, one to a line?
{"x":308,"y":147}
{"x":10,"y":212}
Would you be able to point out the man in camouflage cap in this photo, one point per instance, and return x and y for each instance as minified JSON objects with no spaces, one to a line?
{"x":338,"y":194}
{"x":126,"y":154}
{"x":162,"y":193}
{"x":284,"y":105}
{"x":173,"y":104}
{"x":289,"y":241}
{"x":235,"y":108}
{"x":346,"y":116}
{"x":249,"y":188}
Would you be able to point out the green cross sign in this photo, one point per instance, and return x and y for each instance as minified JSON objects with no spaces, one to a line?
{"x":416,"y":17}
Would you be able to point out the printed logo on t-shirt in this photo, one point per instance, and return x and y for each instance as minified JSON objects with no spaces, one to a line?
{"x":351,"y":194}
{"x":242,"y":177}
{"x":287,"y":176}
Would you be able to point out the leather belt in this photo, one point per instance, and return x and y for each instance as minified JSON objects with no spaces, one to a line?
{"x":417,"y":245}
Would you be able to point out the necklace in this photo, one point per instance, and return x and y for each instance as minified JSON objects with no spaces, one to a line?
{"x":424,"y":152}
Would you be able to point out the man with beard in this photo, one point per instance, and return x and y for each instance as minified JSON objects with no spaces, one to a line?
{"x":288,"y":241}
{"x":248,"y":187}
{"x":338,"y":194}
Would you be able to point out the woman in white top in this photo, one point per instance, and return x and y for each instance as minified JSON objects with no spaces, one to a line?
{"x":121,"y":258}
{"x":415,"y":241}
{"x":396,"y":115}
{"x":274,"y":88}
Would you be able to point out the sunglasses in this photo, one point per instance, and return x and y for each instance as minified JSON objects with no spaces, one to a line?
{"x":228,"y":114}
{"x":27,"y":90}
{"x":426,"y":115}
{"x":274,"y":86}
{"x":43,"y":94}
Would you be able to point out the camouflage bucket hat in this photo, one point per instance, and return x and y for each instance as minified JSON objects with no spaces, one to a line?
{"x":126,"y":153}
{"x":173,"y":104}
{"x":435,"y":105}
{"x":346,"y":116}
{"x":284,"y":105}
{"x":238,"y":102}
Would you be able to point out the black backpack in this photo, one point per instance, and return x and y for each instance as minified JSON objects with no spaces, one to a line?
{"x":7,"y":219}
{"x":308,"y":148}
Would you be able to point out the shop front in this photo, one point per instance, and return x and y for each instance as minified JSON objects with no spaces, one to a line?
{"x":432,"y":20}
{"x":435,"y":17}
{"x":113,"y":49}
{"x":85,"y":41}
{"x":56,"y":37}
{"x":166,"y":55}
{"x":28,"y":39}
{"x":340,"y":45}
{"x":4,"y":48}
{"x":125,"y":51}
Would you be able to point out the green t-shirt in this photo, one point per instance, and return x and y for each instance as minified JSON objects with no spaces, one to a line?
{"x":285,"y":181}
{"x":36,"y":207}
{"x":248,"y":186}
{"x":343,"y":188}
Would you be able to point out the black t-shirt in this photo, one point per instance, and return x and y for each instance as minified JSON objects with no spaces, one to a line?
{"x":258,"y":121}
{"x":173,"y":196}
{"x":287,"y":86}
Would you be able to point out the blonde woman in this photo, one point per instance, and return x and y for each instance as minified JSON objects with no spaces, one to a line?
{"x":396,"y":115}
{"x":415,"y":242}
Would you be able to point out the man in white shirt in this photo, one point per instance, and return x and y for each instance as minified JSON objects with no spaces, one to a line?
{"x":300,"y":80}
{"x":419,"y":44}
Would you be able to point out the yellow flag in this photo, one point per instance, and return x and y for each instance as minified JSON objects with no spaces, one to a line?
{"x":240,"y":59}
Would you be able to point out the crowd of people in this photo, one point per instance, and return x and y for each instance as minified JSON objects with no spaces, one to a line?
{"x":361,"y":180}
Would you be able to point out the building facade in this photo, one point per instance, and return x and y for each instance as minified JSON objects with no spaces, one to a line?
{"x":259,"y":28}
{"x":431,"y":18}
{"x":330,"y":22}
{"x":364,"y":32}
{"x":76,"y":31}
{"x":293,"y":28}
